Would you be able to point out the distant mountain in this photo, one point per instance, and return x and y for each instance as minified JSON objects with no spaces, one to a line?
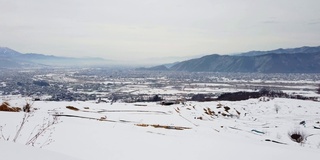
{"x":7,"y":52}
{"x":12,"y":59}
{"x":169,"y":65}
{"x":304,"y":49}
{"x":297,"y":60}
{"x":156,"y":68}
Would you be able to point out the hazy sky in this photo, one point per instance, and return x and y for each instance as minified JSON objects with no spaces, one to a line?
{"x":148,"y":29}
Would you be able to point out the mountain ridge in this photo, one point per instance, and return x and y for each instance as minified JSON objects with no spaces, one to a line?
{"x":294,"y":60}
{"x":304,"y":49}
{"x":10,"y":58}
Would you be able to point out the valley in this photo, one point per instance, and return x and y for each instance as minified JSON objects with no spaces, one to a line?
{"x":131,"y":114}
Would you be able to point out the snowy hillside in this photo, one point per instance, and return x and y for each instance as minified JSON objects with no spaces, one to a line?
{"x":252,"y":129}
{"x":14,"y":151}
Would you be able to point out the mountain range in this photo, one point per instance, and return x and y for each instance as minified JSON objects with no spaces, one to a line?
{"x":292,"y":60}
{"x":10,"y":58}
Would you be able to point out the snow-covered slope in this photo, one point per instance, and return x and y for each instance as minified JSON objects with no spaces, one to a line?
{"x":250,"y":129}
{"x":14,"y":151}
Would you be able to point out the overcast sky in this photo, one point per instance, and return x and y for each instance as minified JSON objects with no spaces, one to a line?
{"x":148,"y":29}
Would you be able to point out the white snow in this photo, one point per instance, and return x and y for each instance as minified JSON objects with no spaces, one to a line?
{"x":117,"y":136}
{"x":3,"y":84}
{"x":14,"y":151}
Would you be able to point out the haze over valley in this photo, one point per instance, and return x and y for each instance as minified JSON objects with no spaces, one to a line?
{"x":151,"y":79}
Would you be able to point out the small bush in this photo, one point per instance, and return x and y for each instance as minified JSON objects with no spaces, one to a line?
{"x":298,"y":136}
{"x":226,"y":108}
{"x":27,"y":108}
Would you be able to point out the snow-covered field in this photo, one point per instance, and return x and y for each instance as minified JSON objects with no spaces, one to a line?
{"x":15,"y":151}
{"x":251,"y":129}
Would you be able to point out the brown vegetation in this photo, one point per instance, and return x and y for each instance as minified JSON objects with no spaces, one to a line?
{"x":72,"y":108}
{"x":177,"y":110}
{"x":163,"y":126}
{"x":208,"y":111}
{"x":103,"y":118}
{"x":142,"y":125}
{"x":199,"y":118}
{"x":27,"y":108}
{"x":5,"y":106}
{"x":226,"y":108}
{"x":223,"y":111}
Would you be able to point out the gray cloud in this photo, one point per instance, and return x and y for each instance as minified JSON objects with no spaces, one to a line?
{"x":270,"y":22}
{"x":314,"y":22}
{"x":135,"y":30}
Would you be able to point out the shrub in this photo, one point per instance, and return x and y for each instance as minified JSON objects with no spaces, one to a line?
{"x":27,"y":108}
{"x":226,"y":108}
{"x":298,"y":136}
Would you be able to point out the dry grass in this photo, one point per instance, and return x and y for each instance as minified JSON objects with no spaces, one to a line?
{"x":142,"y":125}
{"x":219,"y":105}
{"x":163,"y":126}
{"x":208,"y":111}
{"x":5,"y":106}
{"x":72,"y":108}
{"x":199,"y":118}
{"x":226,"y":108}
{"x":103,"y":118}
{"x":177,"y":109}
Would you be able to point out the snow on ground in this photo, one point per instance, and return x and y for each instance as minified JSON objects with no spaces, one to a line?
{"x":250,"y":129}
{"x":14,"y":151}
{"x":140,"y":89}
{"x":3,"y":84}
